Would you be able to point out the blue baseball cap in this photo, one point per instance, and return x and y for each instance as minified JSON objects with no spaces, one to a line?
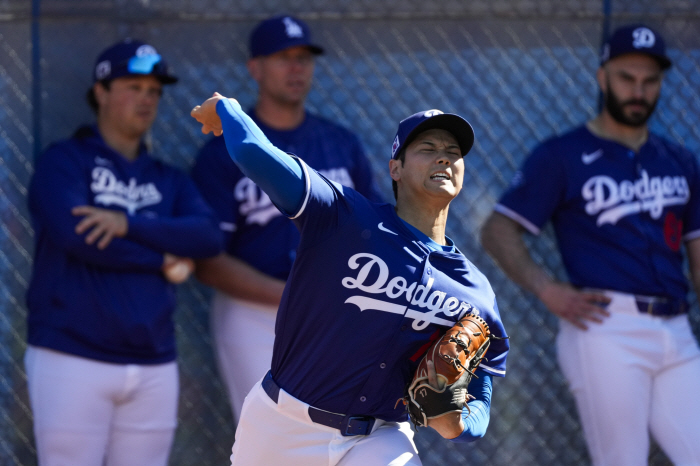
{"x":132,"y":57}
{"x":635,"y":38}
{"x":279,"y":33}
{"x":412,"y":126}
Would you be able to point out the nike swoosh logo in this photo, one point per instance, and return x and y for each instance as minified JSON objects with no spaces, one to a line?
{"x":588,"y":159}
{"x":383,"y":228}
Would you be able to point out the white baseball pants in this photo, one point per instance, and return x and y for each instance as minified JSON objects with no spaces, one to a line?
{"x":282,"y":433}
{"x":89,"y":412}
{"x":244,"y":334}
{"x":632,"y":375}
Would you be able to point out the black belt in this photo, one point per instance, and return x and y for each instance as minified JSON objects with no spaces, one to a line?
{"x":657,"y":306}
{"x":347,"y":425}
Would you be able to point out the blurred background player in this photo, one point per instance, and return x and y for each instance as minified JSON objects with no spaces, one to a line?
{"x":622,"y":201}
{"x":373,"y":285}
{"x":260,"y":242}
{"x":111,"y":225}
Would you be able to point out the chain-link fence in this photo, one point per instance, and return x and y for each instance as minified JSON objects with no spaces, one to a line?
{"x":519,"y":70}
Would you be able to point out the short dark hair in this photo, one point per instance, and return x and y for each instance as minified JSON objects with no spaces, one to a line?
{"x":401,"y":157}
{"x":92,"y":101}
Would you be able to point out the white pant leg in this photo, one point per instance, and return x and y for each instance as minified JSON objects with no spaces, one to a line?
{"x":612,"y":386}
{"x":244,"y":334}
{"x":71,"y":407}
{"x":282,"y":433}
{"x":268,"y":435}
{"x":675,"y":407}
{"x":145,"y":417}
{"x":73,"y":403}
{"x":389,"y":445}
{"x":613,"y":371}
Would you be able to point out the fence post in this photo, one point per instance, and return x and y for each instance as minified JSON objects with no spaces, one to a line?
{"x":607,"y":12}
{"x":36,"y":78}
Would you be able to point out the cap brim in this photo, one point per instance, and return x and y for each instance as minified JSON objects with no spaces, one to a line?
{"x":163,"y":78}
{"x":315,"y":49}
{"x":454,"y":124}
{"x":166,"y":79}
{"x":663,"y":61}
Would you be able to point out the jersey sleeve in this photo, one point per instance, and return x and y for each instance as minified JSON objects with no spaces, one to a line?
{"x":58,"y":185}
{"x":275,"y":172}
{"x":298,"y":191}
{"x":494,"y":361}
{"x":476,"y":418}
{"x":190,"y":231}
{"x":691,"y":218}
{"x":325,"y":207}
{"x":536,"y":189}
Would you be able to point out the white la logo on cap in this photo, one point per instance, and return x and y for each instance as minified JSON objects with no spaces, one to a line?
{"x":643,"y":38}
{"x":103,"y":69}
{"x":145,"y":50}
{"x":432,"y":113}
{"x":292,"y":28}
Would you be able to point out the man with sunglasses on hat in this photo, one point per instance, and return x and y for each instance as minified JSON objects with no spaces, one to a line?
{"x":623,"y":201}
{"x":111,"y":224}
{"x":260,"y":242}
{"x":372,"y":286}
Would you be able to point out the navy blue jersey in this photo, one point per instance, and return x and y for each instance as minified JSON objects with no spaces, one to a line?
{"x":619,"y":216}
{"x":113,"y":304}
{"x":255,"y":230}
{"x":364,"y":301}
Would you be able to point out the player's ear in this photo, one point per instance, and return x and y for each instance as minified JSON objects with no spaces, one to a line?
{"x":600,"y":76}
{"x":100,"y":92}
{"x":395,"y":169}
{"x":253,"y":65}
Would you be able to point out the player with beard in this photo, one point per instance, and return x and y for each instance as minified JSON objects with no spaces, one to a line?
{"x":622,"y":201}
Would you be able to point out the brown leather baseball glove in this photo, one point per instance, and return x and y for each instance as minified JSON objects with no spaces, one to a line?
{"x":455,"y":356}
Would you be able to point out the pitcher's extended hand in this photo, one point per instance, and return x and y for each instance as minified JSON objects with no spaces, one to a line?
{"x":207,"y":116}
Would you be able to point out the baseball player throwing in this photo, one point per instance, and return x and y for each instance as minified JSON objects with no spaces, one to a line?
{"x":371,"y":287}
{"x":261,"y":243}
{"x":622,"y":201}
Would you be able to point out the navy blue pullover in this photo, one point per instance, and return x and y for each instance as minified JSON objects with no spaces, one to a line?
{"x":112,"y":305}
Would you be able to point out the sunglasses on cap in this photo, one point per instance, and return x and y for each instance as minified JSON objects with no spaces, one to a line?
{"x":145,"y":64}
{"x":151,"y":64}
